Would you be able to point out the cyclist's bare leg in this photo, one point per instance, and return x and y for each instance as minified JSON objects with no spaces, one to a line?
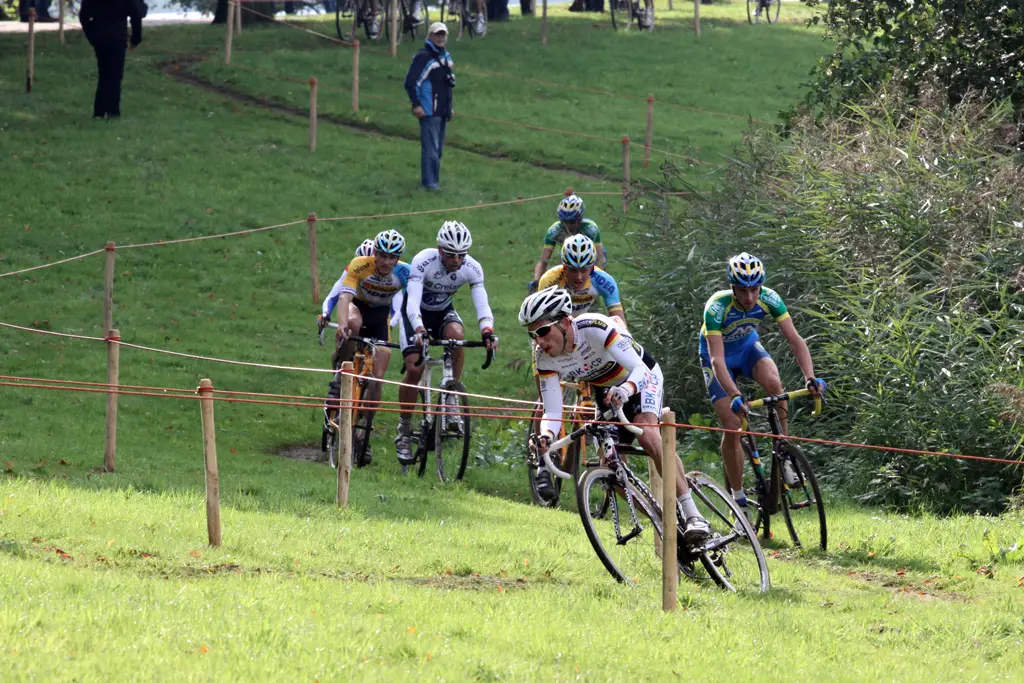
{"x":650,"y":441}
{"x":344,"y":351}
{"x":732,"y":452}
{"x":456,"y":331}
{"x":407,"y":393}
{"x":766,"y":373}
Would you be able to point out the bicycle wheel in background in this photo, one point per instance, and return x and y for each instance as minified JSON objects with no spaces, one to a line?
{"x":531,"y":474}
{"x":625,"y":550}
{"x":622,"y":14}
{"x":770,"y":10}
{"x":802,"y":505}
{"x":346,"y":20}
{"x":362,"y":425}
{"x":451,"y":432}
{"x":733,"y":558}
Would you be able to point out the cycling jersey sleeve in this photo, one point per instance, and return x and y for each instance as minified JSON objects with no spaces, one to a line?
{"x":551,"y":395}
{"x":357,"y":270}
{"x":551,"y":278}
{"x":551,"y":236}
{"x":332,"y":299}
{"x":414,"y":295}
{"x":714,"y":313}
{"x":608,"y":289}
{"x":624,"y":352}
{"x":475,"y":278}
{"x":773,"y":303}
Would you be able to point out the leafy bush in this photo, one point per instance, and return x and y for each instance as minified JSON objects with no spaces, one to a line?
{"x":895,"y":235}
{"x":953,"y":46}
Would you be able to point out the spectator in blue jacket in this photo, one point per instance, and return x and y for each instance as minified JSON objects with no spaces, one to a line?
{"x":429,"y":84}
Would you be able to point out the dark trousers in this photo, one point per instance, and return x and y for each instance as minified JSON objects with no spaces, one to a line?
{"x":432,"y":130}
{"x":526,"y":7}
{"x":110,"y":46}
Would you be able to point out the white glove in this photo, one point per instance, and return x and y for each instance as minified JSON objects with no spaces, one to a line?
{"x":617,"y":396}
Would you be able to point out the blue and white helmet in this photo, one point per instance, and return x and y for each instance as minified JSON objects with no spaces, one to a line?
{"x":389,"y":242}
{"x":454,"y":237}
{"x":578,"y":252}
{"x":746,"y":271}
{"x":570,"y":208}
{"x":365,"y":249}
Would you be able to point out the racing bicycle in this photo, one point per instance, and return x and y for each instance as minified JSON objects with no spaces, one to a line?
{"x":349,"y":15}
{"x":790,"y":485}
{"x":366,"y":387}
{"x":623,"y":518}
{"x":625,"y":12}
{"x":763,"y":9}
{"x":471,"y":16}
{"x":445,"y":427}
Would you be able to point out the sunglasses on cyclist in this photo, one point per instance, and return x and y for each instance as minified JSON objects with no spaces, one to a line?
{"x":454,"y":254}
{"x":543,"y":330}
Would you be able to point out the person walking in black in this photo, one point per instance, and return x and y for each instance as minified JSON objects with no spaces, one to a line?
{"x":429,"y":84}
{"x":104,"y":24}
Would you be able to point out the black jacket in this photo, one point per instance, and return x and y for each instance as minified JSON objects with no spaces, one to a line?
{"x":430,"y":80}
{"x":107,"y":17}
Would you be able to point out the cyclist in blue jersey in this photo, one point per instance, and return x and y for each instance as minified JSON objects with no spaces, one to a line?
{"x":730,"y":347}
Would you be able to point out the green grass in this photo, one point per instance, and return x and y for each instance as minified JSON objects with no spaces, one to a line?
{"x":405,"y":583}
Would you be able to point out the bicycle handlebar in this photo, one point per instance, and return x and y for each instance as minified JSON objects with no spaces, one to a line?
{"x":772,"y":400}
{"x":569,"y":438}
{"x":369,"y":341}
{"x":453,"y":343}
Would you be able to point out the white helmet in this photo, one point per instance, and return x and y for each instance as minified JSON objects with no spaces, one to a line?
{"x":389,"y":242}
{"x":454,"y":237}
{"x":365,"y":249}
{"x":578,"y":252}
{"x":547,"y":304}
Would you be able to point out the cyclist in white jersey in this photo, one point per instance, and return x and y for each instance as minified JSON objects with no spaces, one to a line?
{"x":597,"y":349}
{"x":428,"y":309}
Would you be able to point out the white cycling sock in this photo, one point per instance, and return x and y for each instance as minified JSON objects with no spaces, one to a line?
{"x":740,"y":497}
{"x":404,"y":424}
{"x":688,"y":506}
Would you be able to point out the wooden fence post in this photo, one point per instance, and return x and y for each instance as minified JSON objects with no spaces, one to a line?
{"x":231,"y":30}
{"x":108,"y":287}
{"x":625,"y":174}
{"x":393,"y":19}
{"x":344,"y":436}
{"x":696,"y":17}
{"x":544,"y":24}
{"x":669,"y":5}
{"x":314,"y":272}
{"x":656,"y":487}
{"x":650,"y":130}
{"x":30,"y":71}
{"x":210,"y":458}
{"x":60,"y":20}
{"x":669,"y":560}
{"x":113,"y":375}
{"x":355,"y":75}
{"x":312,"y":115}
{"x":238,"y":17}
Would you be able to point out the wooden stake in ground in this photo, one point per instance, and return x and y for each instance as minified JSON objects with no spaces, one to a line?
{"x":232,"y":8}
{"x":314,"y":272}
{"x":238,"y":17}
{"x":210,"y":457}
{"x":393,"y":19}
{"x":625,"y":174}
{"x":669,"y":561}
{"x":544,"y":24}
{"x":108,"y":287}
{"x":355,"y":75}
{"x":344,"y":436}
{"x":30,"y":71}
{"x":696,"y":17}
{"x":113,"y":374}
{"x":60,"y":20}
{"x":312,"y":115}
{"x":650,"y":130}
{"x":656,"y":486}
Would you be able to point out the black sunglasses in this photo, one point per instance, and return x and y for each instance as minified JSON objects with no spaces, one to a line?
{"x":543,"y":330}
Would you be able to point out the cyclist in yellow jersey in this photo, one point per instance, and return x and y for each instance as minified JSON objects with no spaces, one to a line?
{"x":730,"y":346}
{"x":586,"y":282}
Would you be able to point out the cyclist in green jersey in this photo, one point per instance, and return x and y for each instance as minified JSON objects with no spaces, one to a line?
{"x":730,"y":347}
{"x":570,"y":222}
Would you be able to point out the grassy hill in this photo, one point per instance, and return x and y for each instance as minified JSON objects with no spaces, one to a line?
{"x":108,"y":575}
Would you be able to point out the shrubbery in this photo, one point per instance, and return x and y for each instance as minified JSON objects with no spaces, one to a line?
{"x":894,"y":232}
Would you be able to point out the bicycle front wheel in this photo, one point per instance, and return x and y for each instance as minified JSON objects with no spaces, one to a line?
{"x":622,"y":14}
{"x":771,"y":10}
{"x":624,"y":536}
{"x":732,"y":556}
{"x":362,"y":425}
{"x":802,"y":505}
{"x":451,"y":432}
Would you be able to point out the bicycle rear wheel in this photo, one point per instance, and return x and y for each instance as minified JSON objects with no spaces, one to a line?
{"x":771,"y":10}
{"x":451,"y":433}
{"x":622,"y":14}
{"x":732,"y":557}
{"x":802,"y":505}
{"x":625,"y":546}
{"x":344,"y":20}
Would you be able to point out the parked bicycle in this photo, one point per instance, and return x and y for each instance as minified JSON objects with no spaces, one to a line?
{"x":445,"y":427}
{"x":790,"y":484}
{"x":413,"y":20}
{"x":471,"y":16}
{"x":365,"y":387}
{"x":625,"y":12}
{"x":622,"y":518}
{"x":350,"y":15}
{"x":768,"y":10}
